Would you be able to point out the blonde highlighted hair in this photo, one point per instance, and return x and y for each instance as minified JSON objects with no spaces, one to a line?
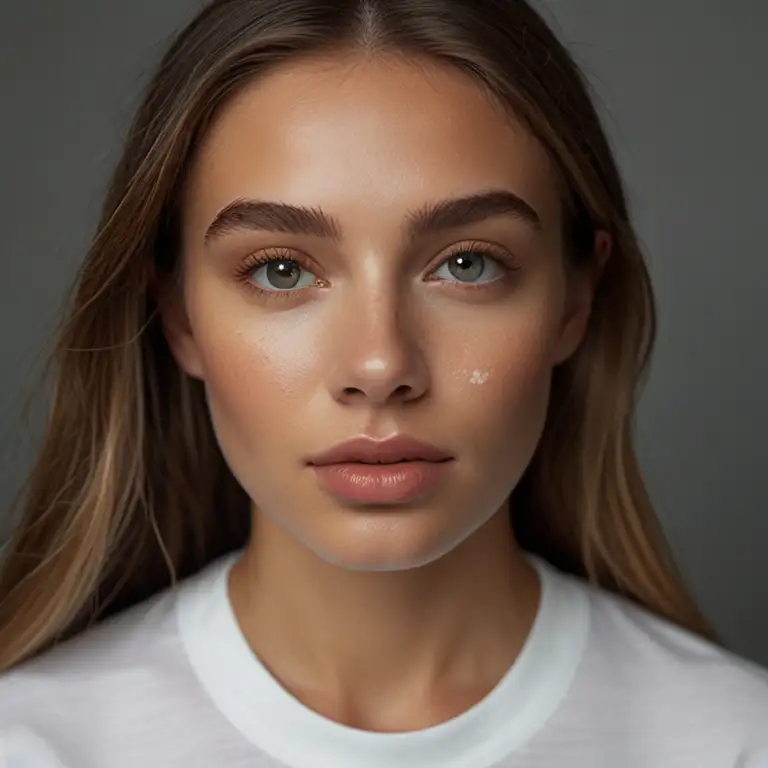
{"x":130,"y":491}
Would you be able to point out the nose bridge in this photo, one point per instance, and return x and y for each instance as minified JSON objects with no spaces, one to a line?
{"x":378,"y":348}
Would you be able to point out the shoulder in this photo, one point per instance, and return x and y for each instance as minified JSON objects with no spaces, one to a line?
{"x":97,"y":699}
{"x":127,"y":641}
{"x":69,"y":692}
{"x":674,"y":679}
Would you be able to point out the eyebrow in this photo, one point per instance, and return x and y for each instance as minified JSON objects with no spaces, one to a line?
{"x":431,"y":218}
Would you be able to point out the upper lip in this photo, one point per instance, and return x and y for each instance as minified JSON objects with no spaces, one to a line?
{"x":370,"y":451}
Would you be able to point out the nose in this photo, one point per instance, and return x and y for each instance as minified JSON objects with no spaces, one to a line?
{"x":379,"y":357}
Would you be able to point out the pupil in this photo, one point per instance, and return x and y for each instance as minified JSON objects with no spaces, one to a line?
{"x":283,"y":273}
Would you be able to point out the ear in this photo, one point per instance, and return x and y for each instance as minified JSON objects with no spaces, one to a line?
{"x":176,"y":325}
{"x":581,"y":288}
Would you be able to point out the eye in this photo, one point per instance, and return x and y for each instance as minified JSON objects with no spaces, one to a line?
{"x":469,"y":265}
{"x":280,"y":275}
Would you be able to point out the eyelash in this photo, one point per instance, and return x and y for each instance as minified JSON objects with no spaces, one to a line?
{"x":254,"y":261}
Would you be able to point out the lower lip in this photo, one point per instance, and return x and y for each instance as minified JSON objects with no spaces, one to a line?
{"x":400,"y":483}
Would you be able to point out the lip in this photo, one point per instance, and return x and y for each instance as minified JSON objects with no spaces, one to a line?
{"x":366,"y":450}
{"x":399,"y":470}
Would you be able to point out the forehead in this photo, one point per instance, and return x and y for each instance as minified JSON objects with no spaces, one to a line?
{"x":365,"y":139}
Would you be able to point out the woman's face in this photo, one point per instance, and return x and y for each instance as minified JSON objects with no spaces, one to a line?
{"x":369,"y":324}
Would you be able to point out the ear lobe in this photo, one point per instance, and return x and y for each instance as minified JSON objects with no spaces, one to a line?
{"x":177,"y":329}
{"x":582,"y":291}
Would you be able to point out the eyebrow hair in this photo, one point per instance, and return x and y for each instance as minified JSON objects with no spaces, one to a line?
{"x":429,"y":219}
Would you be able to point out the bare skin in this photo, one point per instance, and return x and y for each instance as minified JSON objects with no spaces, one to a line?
{"x":397,"y":618}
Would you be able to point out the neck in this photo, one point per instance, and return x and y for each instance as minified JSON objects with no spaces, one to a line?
{"x":453,"y":626}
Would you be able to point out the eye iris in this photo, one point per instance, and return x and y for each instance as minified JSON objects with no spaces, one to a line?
{"x":283,"y":273}
{"x":466,"y":265}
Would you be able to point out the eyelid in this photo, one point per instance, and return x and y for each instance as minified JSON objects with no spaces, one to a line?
{"x":275,"y":253}
{"x":487,"y":248}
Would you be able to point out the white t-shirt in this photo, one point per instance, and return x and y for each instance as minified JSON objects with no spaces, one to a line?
{"x":600,"y":683}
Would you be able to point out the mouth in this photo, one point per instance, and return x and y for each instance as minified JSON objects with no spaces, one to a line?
{"x":390,"y":463}
{"x":382,"y":484}
{"x":369,"y":473}
{"x":399,"y":449}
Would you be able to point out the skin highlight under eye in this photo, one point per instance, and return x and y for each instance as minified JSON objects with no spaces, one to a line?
{"x":493,"y":255}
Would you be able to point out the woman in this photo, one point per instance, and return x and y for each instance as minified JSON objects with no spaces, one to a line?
{"x":341,"y":442}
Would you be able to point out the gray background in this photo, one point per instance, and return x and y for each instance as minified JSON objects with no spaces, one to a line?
{"x":683,"y":90}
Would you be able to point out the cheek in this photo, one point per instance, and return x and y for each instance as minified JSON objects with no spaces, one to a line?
{"x":500,"y":382}
{"x":256,"y":367}
{"x":509,"y":376}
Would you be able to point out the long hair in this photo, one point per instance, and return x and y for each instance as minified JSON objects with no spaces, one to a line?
{"x":130,"y":491}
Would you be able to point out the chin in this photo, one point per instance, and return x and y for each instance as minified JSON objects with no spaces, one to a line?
{"x":387,"y":541}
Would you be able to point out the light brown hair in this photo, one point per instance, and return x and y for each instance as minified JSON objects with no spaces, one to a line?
{"x":130,"y":491}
